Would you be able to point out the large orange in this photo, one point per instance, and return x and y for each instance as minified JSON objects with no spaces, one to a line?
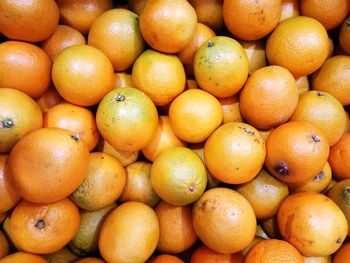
{"x":30,"y":21}
{"x":300,"y":44}
{"x":44,"y":228}
{"x":19,"y":115}
{"x":82,"y":75}
{"x":312,"y":223}
{"x":24,"y":67}
{"x":234,"y":153}
{"x":168,"y":25}
{"x":23,"y":257}
{"x":48,"y":164}
{"x":339,"y":157}
{"x":117,"y":28}
{"x":224,"y":220}
{"x":203,"y":254}
{"x":221,"y":66}
{"x":127,"y":119}
{"x":251,"y":20}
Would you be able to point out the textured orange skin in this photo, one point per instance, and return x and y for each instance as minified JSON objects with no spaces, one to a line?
{"x":343,"y":254}
{"x":23,"y":257}
{"x":255,"y":51}
{"x":339,"y":156}
{"x":165,"y":258}
{"x":230,"y":109}
{"x":205,"y":254}
{"x":90,"y":260}
{"x":49,"y":99}
{"x":61,"y":222}
{"x":290,"y":8}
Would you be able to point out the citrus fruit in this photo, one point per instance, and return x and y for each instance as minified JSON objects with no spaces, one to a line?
{"x":23,"y":257}
{"x":204,"y":254}
{"x":344,"y":36}
{"x":342,"y":255}
{"x":338,"y":156}
{"x":255,"y":51}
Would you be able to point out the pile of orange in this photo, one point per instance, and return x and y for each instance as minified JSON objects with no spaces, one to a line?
{"x":169,"y":131}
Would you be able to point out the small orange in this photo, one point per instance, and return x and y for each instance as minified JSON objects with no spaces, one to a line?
{"x":5,"y":247}
{"x":23,"y":257}
{"x":344,"y":35}
{"x":343,"y":254}
{"x":82,"y":75}
{"x":165,"y":258}
{"x":21,"y":62}
{"x":312,"y":223}
{"x":89,"y":260}
{"x":296,"y":152}
{"x":117,"y":27}
{"x":230,"y":109}
{"x":64,"y":254}
{"x":44,"y":228}
{"x":127,"y":119}
{"x":338,"y":157}
{"x":255,"y":51}
{"x":290,"y":8}
{"x":251,"y":20}
{"x":224,"y":220}
{"x":147,"y":69}
{"x":221,"y":66}
{"x":269,"y":97}
{"x":74,"y":118}
{"x":244,"y":153}
{"x":168,"y":25}
{"x":303,"y":84}
{"x":203,"y":254}
{"x":194,"y":115}
{"x":270,"y":227}
{"x":122,"y":79}
{"x":63,"y":37}
{"x":49,"y":99}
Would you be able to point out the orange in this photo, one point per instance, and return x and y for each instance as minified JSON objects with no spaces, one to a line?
{"x":325,"y":259}
{"x":31,"y":21}
{"x":221,"y":66}
{"x":4,"y":245}
{"x":300,"y":44}
{"x":127,"y":119}
{"x":244,"y":153}
{"x":64,"y":254}
{"x":265,"y":194}
{"x":296,"y":152}
{"x":122,"y":79}
{"x":256,"y":240}
{"x":178,"y":176}
{"x":344,"y":35}
{"x":23,"y":257}
{"x":163,"y":139}
{"x":333,"y":78}
{"x":89,"y":260}
{"x":329,"y":12}
{"x":201,"y":35}
{"x":136,"y":6}
{"x":103,"y":184}
{"x":176,"y":233}
{"x":338,"y":157}
{"x":19,"y":115}
{"x":251,"y":20}
{"x":48,"y":164}
{"x":44,"y":228}
{"x":269,"y":97}
{"x":146,"y":72}
{"x":82,"y":75}
{"x":74,"y":118}
{"x":194,"y":115}
{"x":303,"y":84}
{"x":204,"y":254}
{"x":168,"y":25}
{"x":8,"y":194}
{"x":312,"y":223}
{"x":273,"y":250}
{"x":224,"y":220}
{"x":343,"y":254}
{"x":270,"y":227}
{"x":138,"y":185}
{"x":117,"y":28}
{"x":80,"y":14}
{"x":290,"y":8}
{"x":130,"y":233}
{"x":24,"y":67}
{"x":63,"y":37}
{"x":165,"y":258}
{"x":230,"y":109}
{"x":324,"y":111}
{"x":49,"y":99}
{"x":265,"y":133}
{"x":255,"y":51}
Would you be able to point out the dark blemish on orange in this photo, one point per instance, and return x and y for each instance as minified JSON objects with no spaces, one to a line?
{"x":120,"y":97}
{"x":319,"y":176}
{"x":315,"y":138}
{"x":202,"y":205}
{"x":282,"y":168}
{"x":210,"y":43}
{"x":7,"y":123}
{"x":40,"y":224}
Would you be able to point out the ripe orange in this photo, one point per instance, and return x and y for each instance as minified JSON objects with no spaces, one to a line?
{"x":312,"y":223}
{"x":49,"y":99}
{"x":165,"y":258}
{"x":168,"y":25}
{"x":127,"y":119}
{"x":19,"y":115}
{"x":338,"y":157}
{"x":300,"y":44}
{"x":80,"y":14}
{"x":89,"y":260}
{"x":224,"y":220}
{"x":44,"y":228}
{"x":136,"y":6}
{"x":343,"y":254}
{"x":303,"y":84}
{"x":74,"y":118}
{"x":333,"y":77}
{"x":203,"y":254}
{"x":230,"y":109}
{"x":290,"y":8}
{"x":251,"y":20}
{"x":23,"y":257}
{"x":244,"y":153}
{"x":221,"y":66}
{"x":270,"y":227}
{"x":325,"y":259}
{"x":269,"y":97}
{"x":296,"y":152}
{"x":117,"y":28}
{"x":48,"y":164}
{"x":178,"y":176}
{"x":64,"y":254}
{"x":122,"y":79}
{"x":63,"y":37}
{"x":194,"y":115}
{"x":82,"y":75}
{"x":255,"y":51}
{"x":30,"y":21}
{"x":344,"y":35}
{"x":130,"y":233}
{"x":5,"y":247}
{"x":24,"y":67}
{"x":273,"y":250}
{"x":147,"y":69}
